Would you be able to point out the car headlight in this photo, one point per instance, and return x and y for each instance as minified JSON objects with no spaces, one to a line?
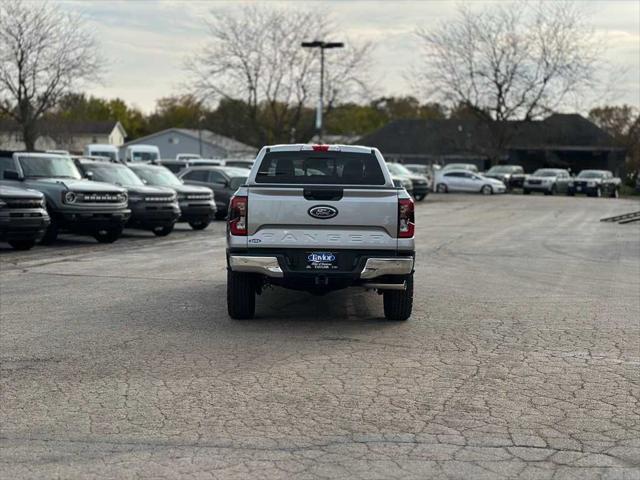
{"x":135,"y":198}
{"x":591,"y":184}
{"x":571,"y":184}
{"x":123,"y":197}
{"x":70,"y":197}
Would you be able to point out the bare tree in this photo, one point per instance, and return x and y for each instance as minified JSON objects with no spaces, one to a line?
{"x":44,"y":53}
{"x":254,"y":54}
{"x":509,"y":61}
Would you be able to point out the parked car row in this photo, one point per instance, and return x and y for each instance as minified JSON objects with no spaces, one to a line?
{"x":504,"y":178}
{"x":44,"y":194}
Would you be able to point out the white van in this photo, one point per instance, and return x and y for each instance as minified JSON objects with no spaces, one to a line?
{"x":142,"y":153}
{"x":102,"y":150}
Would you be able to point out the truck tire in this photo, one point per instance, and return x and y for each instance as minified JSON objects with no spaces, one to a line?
{"x":241,"y":295}
{"x":199,"y":225}
{"x":398,"y":304}
{"x":163,"y":231}
{"x":108,"y":235}
{"x":50,"y":234}
{"x":26,"y":244}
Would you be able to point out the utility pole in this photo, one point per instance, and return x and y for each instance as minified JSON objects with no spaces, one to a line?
{"x":322,"y":46}
{"x":200,"y":120}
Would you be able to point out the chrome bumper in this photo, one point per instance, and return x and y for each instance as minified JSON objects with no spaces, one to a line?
{"x":376,"y":267}
{"x":268,"y":266}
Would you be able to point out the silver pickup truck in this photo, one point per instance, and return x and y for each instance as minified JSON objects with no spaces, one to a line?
{"x":320,"y":218}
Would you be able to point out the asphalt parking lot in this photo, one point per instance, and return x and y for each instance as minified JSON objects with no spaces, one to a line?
{"x":522,"y":357}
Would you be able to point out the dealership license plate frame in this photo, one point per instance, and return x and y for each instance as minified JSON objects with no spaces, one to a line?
{"x":321,"y":261}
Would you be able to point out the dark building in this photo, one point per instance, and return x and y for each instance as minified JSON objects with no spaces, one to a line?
{"x":563,"y":141}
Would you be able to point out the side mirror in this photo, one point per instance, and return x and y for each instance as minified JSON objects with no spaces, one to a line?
{"x":144,"y":181}
{"x":11,"y":175}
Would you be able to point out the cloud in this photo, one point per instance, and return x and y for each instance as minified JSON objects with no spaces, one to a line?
{"x":147,"y":42}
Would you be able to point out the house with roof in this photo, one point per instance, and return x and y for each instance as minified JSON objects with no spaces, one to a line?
{"x":205,"y":143}
{"x":58,"y":134}
{"x":560,"y":140}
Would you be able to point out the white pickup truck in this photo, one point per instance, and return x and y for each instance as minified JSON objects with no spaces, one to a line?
{"x":320,"y":218}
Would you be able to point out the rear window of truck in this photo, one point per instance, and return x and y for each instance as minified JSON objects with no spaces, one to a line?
{"x":315,"y":168}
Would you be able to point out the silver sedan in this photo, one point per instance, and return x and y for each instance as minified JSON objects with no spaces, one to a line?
{"x":466,"y":181}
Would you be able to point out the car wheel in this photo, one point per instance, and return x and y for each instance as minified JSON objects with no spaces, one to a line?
{"x":442,"y":188}
{"x":420,"y":197}
{"x":241,"y":295}
{"x":26,"y":244}
{"x":486,"y":190}
{"x":398,"y":304}
{"x":108,"y":235}
{"x":163,"y":231}
{"x":201,"y":225}
{"x":50,"y":234}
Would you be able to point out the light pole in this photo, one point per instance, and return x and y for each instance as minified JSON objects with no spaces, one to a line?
{"x":322,"y":46}
{"x":200,"y":120}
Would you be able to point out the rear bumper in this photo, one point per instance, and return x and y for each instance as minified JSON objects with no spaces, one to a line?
{"x":276,"y":266}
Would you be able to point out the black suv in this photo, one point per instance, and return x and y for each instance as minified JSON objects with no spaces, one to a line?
{"x":23,"y":217}
{"x":196,"y":203}
{"x":73,"y":203}
{"x":224,"y":181}
{"x":152,"y":208}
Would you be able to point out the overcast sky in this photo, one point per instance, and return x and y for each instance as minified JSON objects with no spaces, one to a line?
{"x":146,"y":42}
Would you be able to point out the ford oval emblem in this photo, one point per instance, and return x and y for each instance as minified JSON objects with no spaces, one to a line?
{"x":323,"y":212}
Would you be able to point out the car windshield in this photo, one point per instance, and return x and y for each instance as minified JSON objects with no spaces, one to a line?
{"x":590,"y":174}
{"x":337,"y":168}
{"x":545,"y":173}
{"x":53,"y":166}
{"x":159,"y":176}
{"x":144,"y":156}
{"x":118,"y":174}
{"x":237,"y":182}
{"x":102,"y":153}
{"x":397,"y":169}
{"x":503,"y":169}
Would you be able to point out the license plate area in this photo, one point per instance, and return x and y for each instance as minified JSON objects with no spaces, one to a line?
{"x":321,"y":261}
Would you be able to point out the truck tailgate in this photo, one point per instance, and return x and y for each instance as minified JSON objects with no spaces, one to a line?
{"x":364,"y":218}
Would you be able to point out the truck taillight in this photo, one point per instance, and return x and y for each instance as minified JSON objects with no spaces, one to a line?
{"x":238,"y":210}
{"x":406,"y":218}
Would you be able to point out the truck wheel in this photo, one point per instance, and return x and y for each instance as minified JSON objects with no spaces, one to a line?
{"x":108,"y":235}
{"x":51,"y":234}
{"x":241,"y":295}
{"x":199,"y":225}
{"x":163,"y":231}
{"x":26,"y":244}
{"x":399,"y":303}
